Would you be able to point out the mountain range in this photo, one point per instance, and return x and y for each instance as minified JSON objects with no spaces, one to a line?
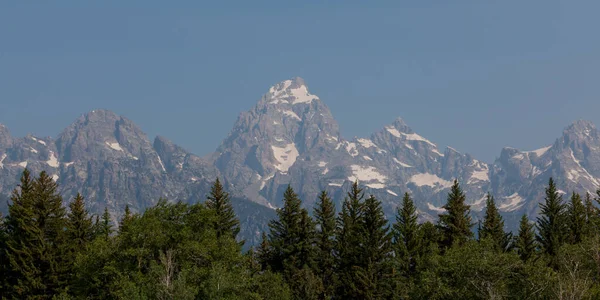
{"x":290,"y":137}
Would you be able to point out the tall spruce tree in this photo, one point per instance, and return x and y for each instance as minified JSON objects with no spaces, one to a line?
{"x":376,"y":268}
{"x":552,"y":223}
{"x":349,"y":242}
{"x":324,"y":213}
{"x":592,"y":219}
{"x":456,"y":223}
{"x":104,"y":228}
{"x":218,"y":201}
{"x":285,"y":237}
{"x":407,"y":238}
{"x":126,"y":220}
{"x":576,"y":213}
{"x":37,"y":248}
{"x":3,"y":260}
{"x":80,"y":229}
{"x":493,"y":225}
{"x":263,"y":253}
{"x":525,"y":243}
{"x":20,"y":237}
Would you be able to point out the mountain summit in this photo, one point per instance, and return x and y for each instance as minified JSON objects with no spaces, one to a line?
{"x":289,"y":137}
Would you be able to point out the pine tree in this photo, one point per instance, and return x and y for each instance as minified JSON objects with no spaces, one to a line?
{"x":263,"y":253}
{"x":3,"y":260}
{"x":525,"y":243}
{"x":104,"y":228}
{"x":37,"y":248}
{"x":493,"y":225}
{"x":552,"y":224}
{"x":349,"y":242}
{"x":285,"y":234}
{"x":407,"y":239}
{"x":456,"y":223}
{"x":79,"y":224}
{"x":226,"y":223}
{"x":20,"y":235}
{"x":324,"y":213}
{"x":126,"y":220}
{"x":377,"y":249}
{"x":576,"y":213}
{"x":592,"y":217}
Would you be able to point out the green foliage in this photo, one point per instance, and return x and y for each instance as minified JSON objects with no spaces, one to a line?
{"x":577,"y":223}
{"x":552,"y":225}
{"x":525,"y":243}
{"x":349,"y":242}
{"x":493,"y":226}
{"x":36,"y":245}
{"x":456,"y":223}
{"x":179,"y":251}
{"x":324,"y":214}
{"x":408,"y":241}
{"x":226,"y":222}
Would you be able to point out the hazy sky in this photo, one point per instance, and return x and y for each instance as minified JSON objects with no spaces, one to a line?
{"x":475,"y":75}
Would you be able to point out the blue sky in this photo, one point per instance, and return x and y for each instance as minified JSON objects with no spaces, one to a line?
{"x":475,"y":75}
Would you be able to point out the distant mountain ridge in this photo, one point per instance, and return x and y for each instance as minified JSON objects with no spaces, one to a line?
{"x":291,"y":137}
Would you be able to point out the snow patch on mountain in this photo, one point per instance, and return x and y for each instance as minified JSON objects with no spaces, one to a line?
{"x":2,"y":158}
{"x":292,"y":114}
{"x":366,"y":174}
{"x":285,"y":156}
{"x":367,"y":158}
{"x":514,"y":202}
{"x":435,"y":208}
{"x":52,"y":161}
{"x":23,"y":164}
{"x":301,"y":95}
{"x":391,"y":193}
{"x":366,"y":143}
{"x":351,"y":149}
{"x":39,"y":141}
{"x":541,"y":151}
{"x":375,"y":185}
{"x":574,"y":175}
{"x":162,"y":165}
{"x":32,"y":150}
{"x":55,"y":177}
{"x":115,"y":146}
{"x":401,"y":163}
{"x":432,"y":180}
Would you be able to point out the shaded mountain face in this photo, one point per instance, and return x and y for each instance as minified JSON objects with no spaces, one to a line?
{"x":291,"y":138}
{"x":110,"y":161}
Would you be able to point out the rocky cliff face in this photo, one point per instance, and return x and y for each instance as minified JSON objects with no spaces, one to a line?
{"x":291,"y":138}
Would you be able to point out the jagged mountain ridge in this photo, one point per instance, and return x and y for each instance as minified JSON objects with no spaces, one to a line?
{"x":291,"y":137}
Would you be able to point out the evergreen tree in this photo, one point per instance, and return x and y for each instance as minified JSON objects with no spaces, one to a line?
{"x":552,"y":224}
{"x":263,"y":253}
{"x":456,"y":223}
{"x":525,"y":243}
{"x":576,"y":212}
{"x":79,"y":224}
{"x":349,"y":242}
{"x":36,"y":243}
{"x":407,"y":238}
{"x":285,"y":236}
{"x":218,"y":201}
{"x":324,"y":213}
{"x":377,"y":249}
{"x":126,"y":220}
{"x":105,"y":227}
{"x":592,"y":219}
{"x":3,"y":260}
{"x":493,"y":225}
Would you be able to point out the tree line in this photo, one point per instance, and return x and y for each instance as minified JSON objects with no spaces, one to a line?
{"x":190,"y":251}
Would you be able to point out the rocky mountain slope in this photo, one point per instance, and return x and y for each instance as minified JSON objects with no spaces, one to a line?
{"x":291,"y":137}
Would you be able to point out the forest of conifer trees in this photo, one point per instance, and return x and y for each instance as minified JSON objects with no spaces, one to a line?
{"x":53,"y":250}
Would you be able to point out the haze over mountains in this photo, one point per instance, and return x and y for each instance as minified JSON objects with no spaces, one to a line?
{"x":291,"y":137}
